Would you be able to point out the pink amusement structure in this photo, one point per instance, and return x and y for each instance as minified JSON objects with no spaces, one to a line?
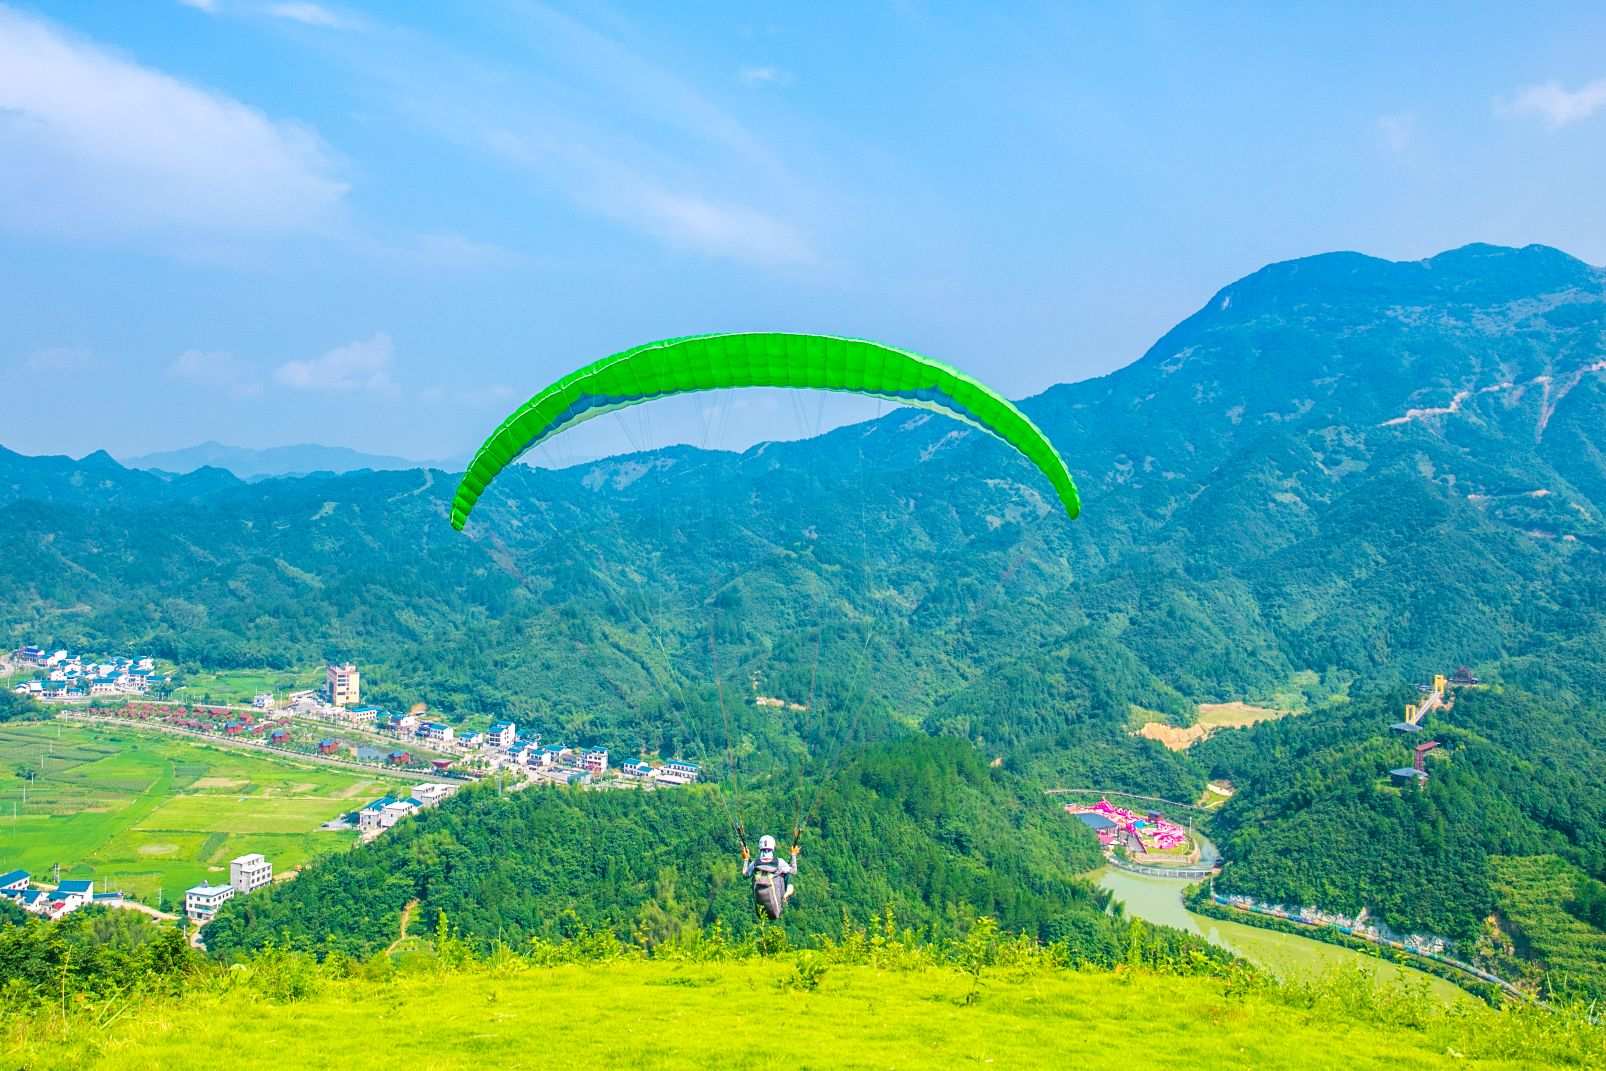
{"x":1152,"y":832}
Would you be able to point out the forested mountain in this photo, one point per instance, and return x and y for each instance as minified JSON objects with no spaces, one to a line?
{"x":1337,"y":477}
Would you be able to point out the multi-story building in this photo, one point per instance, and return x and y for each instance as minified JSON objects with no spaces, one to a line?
{"x":679,"y":772}
{"x":202,"y":901}
{"x":249,"y":872}
{"x":344,"y":684}
{"x":430,"y":793}
{"x":595,"y":760}
{"x":502,"y":735}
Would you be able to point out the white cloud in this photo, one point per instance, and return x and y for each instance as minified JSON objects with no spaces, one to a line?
{"x":605,"y":126}
{"x":95,"y":144}
{"x":764,"y":76}
{"x":357,"y":366}
{"x":446,"y":249}
{"x":1397,"y":131}
{"x":634,"y":196}
{"x":1554,"y":105}
{"x":721,"y":229}
{"x":217,"y":370}
{"x":56,"y":359}
{"x":307,"y":14}
{"x":208,"y":6}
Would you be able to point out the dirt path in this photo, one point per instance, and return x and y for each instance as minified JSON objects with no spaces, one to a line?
{"x":407,"y":915}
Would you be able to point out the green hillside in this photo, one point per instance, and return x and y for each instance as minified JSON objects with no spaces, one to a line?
{"x":923,"y":829}
{"x":806,"y":1009}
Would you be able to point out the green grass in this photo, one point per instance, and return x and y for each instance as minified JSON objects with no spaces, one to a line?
{"x":149,"y":812}
{"x":656,"y":1014}
{"x":241,"y":685}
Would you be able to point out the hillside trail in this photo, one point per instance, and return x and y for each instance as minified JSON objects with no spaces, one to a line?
{"x":407,"y":915}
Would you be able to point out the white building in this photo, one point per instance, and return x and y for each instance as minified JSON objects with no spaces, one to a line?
{"x":595,"y":760}
{"x":75,"y":892}
{"x":678,"y":772}
{"x":249,"y":872}
{"x":435,"y":731}
{"x":202,"y":901}
{"x":502,"y":734}
{"x":430,"y":793}
{"x":383,"y":813}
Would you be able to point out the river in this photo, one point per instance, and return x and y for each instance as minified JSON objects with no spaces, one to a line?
{"x":1159,"y":900}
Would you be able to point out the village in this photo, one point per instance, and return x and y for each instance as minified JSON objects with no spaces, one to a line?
{"x":333,"y":723}
{"x":328,"y":724}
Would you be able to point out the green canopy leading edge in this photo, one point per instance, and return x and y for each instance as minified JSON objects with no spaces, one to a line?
{"x":758,"y":359}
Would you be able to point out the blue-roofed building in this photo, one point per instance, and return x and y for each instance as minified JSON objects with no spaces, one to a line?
{"x":84,"y":888}
{"x":503,"y":735}
{"x":14,"y":881}
{"x":435,"y":731}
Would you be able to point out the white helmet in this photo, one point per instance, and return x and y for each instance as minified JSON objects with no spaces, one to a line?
{"x":766,"y":843}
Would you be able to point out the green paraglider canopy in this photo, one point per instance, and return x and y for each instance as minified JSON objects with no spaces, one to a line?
{"x":758,"y":359}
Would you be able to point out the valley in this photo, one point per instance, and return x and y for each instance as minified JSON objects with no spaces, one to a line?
{"x":152,"y":816}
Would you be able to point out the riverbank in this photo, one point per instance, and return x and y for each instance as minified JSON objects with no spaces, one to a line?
{"x":1288,"y":956}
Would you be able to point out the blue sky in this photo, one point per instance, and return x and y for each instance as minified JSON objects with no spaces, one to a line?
{"x":381,"y":227}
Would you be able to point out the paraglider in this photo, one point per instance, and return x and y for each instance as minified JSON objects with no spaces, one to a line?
{"x":759,"y":359}
{"x":772,"y":876}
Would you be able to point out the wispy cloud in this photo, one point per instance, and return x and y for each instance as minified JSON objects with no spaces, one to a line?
{"x":96,"y":144}
{"x":208,"y":6}
{"x":764,"y":76}
{"x":490,"y":394}
{"x":363,"y":366}
{"x":1553,"y":104}
{"x":217,"y":370}
{"x":597,"y":120}
{"x":602,"y":183}
{"x":58,"y":359}
{"x":308,"y":15}
{"x":1397,"y":131}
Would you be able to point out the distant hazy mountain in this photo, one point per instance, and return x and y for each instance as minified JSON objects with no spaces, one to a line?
{"x":248,"y":464}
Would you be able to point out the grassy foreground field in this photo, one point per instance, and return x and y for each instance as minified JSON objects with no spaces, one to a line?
{"x":154,"y":814}
{"x":655,"y":1014}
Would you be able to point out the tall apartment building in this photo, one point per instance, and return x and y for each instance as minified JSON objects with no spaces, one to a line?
{"x":343,"y":684}
{"x":249,"y":872}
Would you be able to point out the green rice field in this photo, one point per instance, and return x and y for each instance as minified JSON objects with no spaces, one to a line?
{"x":153,"y":814}
{"x":240,"y":685}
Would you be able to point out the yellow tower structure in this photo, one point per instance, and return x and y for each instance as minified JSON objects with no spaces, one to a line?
{"x":1410,"y":713}
{"x":1439,"y":683}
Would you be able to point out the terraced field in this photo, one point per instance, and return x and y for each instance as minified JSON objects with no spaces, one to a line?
{"x":152,"y":814}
